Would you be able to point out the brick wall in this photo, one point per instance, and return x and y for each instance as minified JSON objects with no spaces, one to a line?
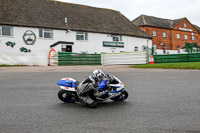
{"x":171,"y":41}
{"x":182,"y":40}
{"x":158,"y":39}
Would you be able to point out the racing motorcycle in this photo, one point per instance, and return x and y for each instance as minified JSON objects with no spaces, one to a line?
{"x":70,"y":91}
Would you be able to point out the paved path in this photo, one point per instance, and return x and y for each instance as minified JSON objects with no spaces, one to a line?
{"x":83,"y":68}
{"x":65,"y":68}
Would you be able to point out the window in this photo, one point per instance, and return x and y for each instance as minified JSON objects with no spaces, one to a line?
{"x":183,"y":47}
{"x":186,"y":37}
{"x":179,"y":49}
{"x":66,"y":20}
{"x":117,"y":38}
{"x":144,"y":48}
{"x":81,"y":36}
{"x":185,"y":25}
{"x":193,"y":38}
{"x":164,"y":49}
{"x":6,"y":31}
{"x":154,"y":49}
{"x":178,"y":36}
{"x":66,"y":48}
{"x":45,"y":33}
{"x":164,"y":34}
{"x":154,"y":33}
{"x":136,"y":48}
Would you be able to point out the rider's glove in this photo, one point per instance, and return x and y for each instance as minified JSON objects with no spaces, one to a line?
{"x":110,"y":79}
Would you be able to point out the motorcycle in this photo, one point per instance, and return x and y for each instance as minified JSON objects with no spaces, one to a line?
{"x":69,"y":88}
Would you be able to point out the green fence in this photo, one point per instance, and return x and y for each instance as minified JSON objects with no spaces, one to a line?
{"x":66,"y":58}
{"x":176,"y":58}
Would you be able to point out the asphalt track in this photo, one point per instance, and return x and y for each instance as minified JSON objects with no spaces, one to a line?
{"x":160,"y":101}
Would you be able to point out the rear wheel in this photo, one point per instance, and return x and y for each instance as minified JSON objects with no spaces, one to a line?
{"x":66,"y":96}
{"x":121,"y":97}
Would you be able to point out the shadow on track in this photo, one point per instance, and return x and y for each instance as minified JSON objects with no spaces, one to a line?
{"x":100,"y":105}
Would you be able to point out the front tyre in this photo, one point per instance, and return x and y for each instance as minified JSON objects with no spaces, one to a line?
{"x":66,"y":96}
{"x":123,"y":96}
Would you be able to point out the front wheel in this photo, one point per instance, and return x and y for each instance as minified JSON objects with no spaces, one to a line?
{"x":123,"y":96}
{"x":66,"y":96}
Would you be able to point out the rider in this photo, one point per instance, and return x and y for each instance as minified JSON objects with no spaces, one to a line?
{"x":102,"y":83}
{"x":93,"y":82}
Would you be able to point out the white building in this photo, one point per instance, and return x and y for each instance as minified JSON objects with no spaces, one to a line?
{"x":28,"y":30}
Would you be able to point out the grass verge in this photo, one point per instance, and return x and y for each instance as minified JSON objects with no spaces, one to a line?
{"x":191,"y":65}
{"x":11,"y":65}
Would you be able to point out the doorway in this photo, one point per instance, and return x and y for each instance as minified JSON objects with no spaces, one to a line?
{"x":66,"y":48}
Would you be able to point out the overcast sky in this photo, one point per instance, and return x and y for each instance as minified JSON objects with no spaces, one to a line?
{"x":169,"y":9}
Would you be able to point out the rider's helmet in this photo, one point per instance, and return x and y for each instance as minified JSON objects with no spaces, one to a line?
{"x":97,"y":73}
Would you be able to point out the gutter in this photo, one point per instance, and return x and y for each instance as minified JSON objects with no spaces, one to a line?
{"x":21,"y":25}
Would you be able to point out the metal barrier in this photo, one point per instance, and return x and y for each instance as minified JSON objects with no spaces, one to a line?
{"x":54,"y":59}
{"x":124,"y":58}
{"x":176,"y":58}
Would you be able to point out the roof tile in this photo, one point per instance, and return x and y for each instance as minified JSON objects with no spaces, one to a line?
{"x":51,"y":14}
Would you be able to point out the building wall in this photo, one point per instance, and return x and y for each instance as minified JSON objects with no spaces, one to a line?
{"x":94,"y":44}
{"x":159,"y":40}
{"x":171,"y":41}
{"x":180,"y":42}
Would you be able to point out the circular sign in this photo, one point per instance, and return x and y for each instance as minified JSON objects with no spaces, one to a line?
{"x":29,"y":37}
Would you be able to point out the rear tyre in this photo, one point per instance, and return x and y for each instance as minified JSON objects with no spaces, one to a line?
{"x":121,"y":97}
{"x":66,"y":96}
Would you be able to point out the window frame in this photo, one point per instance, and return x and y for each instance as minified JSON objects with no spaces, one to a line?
{"x":186,"y":37}
{"x":43,"y":31}
{"x":65,"y":47}
{"x":154,"y":48}
{"x":178,"y":49}
{"x":10,"y":31}
{"x":153,"y":33}
{"x":83,"y":34}
{"x":117,"y":36}
{"x":178,"y":36}
{"x":164,"y":49}
{"x":136,"y":48}
{"x":193,"y":38}
{"x":185,"y":25}
{"x":0,"y":31}
{"x":144,"y":48}
{"x":164,"y":35}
